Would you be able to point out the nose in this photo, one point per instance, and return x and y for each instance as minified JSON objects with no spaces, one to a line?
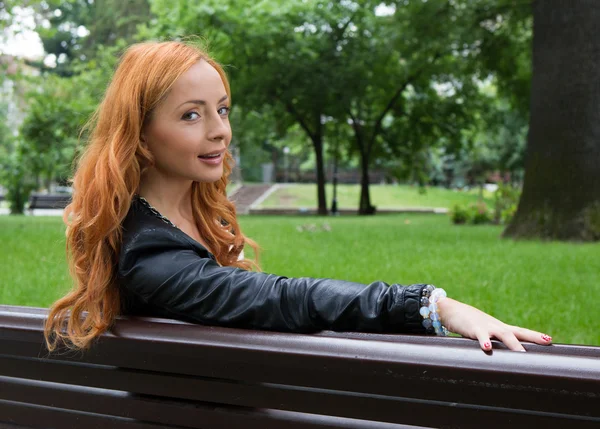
{"x":218,"y":129}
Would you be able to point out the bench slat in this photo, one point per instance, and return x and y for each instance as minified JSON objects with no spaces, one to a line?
{"x":287,"y":397}
{"x":35,"y":416}
{"x":165,"y":411}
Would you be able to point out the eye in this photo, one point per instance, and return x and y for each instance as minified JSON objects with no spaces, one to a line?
{"x":190,"y":116}
{"x":224,"y":111}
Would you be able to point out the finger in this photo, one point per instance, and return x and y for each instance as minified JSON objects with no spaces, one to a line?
{"x":484,"y":341}
{"x":510,"y":340}
{"x":531,"y":336}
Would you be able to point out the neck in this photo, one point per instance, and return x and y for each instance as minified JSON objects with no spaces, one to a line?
{"x":172,"y":198}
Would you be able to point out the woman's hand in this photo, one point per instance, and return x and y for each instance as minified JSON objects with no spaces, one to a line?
{"x":473,"y":323}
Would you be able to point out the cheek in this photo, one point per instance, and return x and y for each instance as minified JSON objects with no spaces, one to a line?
{"x":170,"y":141}
{"x":155,"y":135}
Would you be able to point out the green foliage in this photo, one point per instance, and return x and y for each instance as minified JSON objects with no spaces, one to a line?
{"x":61,"y":99}
{"x":507,"y":215}
{"x":78,"y":27}
{"x":504,"y":41}
{"x":13,"y":175}
{"x":481,"y":214}
{"x":493,"y":142}
{"x":506,"y":200}
{"x":473,"y":213}
{"x":57,"y":111}
{"x":18,"y":184}
{"x":261,"y":141}
{"x":6,"y":137}
{"x":460,"y":214}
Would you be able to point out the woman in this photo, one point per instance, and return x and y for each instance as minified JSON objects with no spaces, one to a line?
{"x":151,"y":232}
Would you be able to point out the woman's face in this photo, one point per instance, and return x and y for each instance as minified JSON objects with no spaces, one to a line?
{"x":188,"y":132}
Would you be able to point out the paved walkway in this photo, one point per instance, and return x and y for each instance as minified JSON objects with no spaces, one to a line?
{"x":247,"y":197}
{"x":36,"y":212}
{"x":312,"y":211}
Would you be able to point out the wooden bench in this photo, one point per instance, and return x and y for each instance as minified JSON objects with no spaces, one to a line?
{"x":151,"y":373}
{"x":48,"y":201}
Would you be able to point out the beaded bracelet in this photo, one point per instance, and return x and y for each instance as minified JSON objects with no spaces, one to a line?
{"x":429,"y":310}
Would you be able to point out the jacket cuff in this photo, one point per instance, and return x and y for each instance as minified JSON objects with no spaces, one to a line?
{"x":409,"y":298}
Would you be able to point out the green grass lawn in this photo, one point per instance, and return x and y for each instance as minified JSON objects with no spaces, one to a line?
{"x":551,"y":287}
{"x":382,"y":196}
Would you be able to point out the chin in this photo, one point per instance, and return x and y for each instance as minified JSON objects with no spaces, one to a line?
{"x":213,"y":176}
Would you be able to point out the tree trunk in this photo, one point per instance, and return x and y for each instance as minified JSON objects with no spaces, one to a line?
{"x":320,"y":167}
{"x":365,"y":207}
{"x":364,"y":151}
{"x":316,"y":137}
{"x":561,"y":191}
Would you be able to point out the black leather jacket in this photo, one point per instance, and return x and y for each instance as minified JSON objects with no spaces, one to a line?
{"x":163,"y":272}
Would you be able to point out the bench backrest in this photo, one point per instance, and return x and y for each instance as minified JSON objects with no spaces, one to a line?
{"x":152,"y":373}
{"x":49,"y":201}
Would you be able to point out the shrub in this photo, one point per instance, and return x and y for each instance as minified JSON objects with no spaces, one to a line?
{"x":480,"y":213}
{"x":460,"y":214}
{"x":15,"y":179}
{"x":474,"y":213}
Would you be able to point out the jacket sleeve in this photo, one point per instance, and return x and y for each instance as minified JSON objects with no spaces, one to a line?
{"x":168,"y":275}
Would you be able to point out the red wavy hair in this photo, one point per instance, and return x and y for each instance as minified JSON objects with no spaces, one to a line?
{"x":107,"y":178}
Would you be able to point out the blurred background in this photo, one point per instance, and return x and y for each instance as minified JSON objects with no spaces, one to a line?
{"x":426,"y":93}
{"x":440,"y":114}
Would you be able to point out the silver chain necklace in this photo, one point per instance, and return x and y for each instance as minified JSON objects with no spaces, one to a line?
{"x":155,"y":212}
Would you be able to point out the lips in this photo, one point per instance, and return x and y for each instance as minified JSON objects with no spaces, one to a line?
{"x":212,"y":158}
{"x":212,"y":155}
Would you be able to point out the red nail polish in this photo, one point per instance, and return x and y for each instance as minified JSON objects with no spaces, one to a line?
{"x":546,"y":337}
{"x":487,"y":345}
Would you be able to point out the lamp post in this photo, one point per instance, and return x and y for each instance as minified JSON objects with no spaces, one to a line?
{"x":334,"y":205}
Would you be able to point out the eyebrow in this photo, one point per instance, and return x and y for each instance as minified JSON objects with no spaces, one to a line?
{"x":202,"y":102}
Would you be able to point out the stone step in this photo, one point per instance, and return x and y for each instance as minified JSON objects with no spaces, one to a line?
{"x":246,"y":195}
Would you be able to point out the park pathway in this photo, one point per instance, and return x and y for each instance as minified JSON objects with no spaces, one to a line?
{"x":247,"y":196}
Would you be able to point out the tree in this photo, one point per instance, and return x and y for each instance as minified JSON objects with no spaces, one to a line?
{"x":561,"y":191}
{"x":502,"y":34}
{"x":72,"y":30}
{"x":49,"y":134}
{"x":405,"y":55}
{"x":57,"y":108}
{"x":429,"y":128}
